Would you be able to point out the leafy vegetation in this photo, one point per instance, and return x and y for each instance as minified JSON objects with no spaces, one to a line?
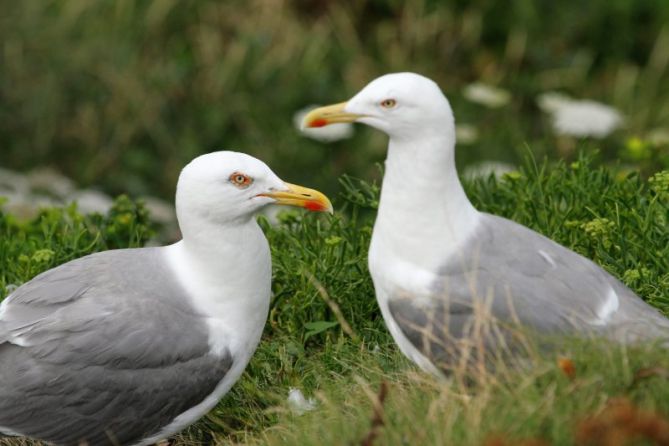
{"x":59,"y":235}
{"x":326,"y":337}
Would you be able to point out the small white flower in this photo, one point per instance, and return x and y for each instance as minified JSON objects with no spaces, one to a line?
{"x":487,"y":95}
{"x":329,"y":133}
{"x":484,"y":169}
{"x":586,"y":118}
{"x":551,"y":101}
{"x":298,"y":403}
{"x":466,"y":134}
{"x":579,"y":118}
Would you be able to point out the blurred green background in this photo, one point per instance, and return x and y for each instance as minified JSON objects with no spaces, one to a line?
{"x":122,"y":93}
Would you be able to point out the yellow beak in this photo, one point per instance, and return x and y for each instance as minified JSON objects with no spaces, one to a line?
{"x":302,"y":197}
{"x":330,"y":114}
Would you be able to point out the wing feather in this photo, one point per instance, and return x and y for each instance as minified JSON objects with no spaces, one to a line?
{"x":105,"y":349}
{"x":518,"y":278}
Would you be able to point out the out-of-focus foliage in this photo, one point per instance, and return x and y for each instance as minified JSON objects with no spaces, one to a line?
{"x":123,"y":93}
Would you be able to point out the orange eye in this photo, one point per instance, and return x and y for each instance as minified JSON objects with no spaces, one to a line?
{"x":388,"y":103}
{"x":240,"y":180}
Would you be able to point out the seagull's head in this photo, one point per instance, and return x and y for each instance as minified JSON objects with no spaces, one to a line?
{"x":403,"y":105}
{"x":230,"y":187}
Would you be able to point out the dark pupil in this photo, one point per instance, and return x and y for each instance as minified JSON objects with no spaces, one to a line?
{"x":240,"y":179}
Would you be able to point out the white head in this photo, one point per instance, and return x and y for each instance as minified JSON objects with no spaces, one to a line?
{"x":403,"y":105}
{"x":231,"y":187}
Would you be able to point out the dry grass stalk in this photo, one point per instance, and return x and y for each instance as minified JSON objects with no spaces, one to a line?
{"x":377,"y":419}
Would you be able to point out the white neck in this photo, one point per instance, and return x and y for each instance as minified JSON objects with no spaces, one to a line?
{"x":424,"y":214}
{"x":226,"y":270}
{"x":230,"y":253}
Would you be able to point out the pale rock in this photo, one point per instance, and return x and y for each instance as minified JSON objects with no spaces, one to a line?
{"x":90,"y":201}
{"x":160,"y":210}
{"x":48,"y":180}
{"x":13,"y":183}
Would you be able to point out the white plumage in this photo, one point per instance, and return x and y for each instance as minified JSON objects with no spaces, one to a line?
{"x":435,"y":260}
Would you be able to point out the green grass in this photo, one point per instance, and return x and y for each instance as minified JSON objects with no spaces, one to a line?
{"x":538,"y":403}
{"x":325,"y":334}
{"x":59,"y":235}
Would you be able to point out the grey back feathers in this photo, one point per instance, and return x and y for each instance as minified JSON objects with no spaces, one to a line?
{"x":513,"y":277}
{"x":83,"y":344}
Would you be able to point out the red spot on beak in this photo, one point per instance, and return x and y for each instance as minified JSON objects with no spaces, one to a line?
{"x":320,"y":122}
{"x":314,"y":206}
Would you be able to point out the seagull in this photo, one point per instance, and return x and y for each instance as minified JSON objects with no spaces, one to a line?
{"x":440,"y":267}
{"x":130,"y":346}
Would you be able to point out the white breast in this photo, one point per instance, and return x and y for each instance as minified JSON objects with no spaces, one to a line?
{"x":235,"y":308}
{"x":392,"y":276}
{"x":235,"y":304}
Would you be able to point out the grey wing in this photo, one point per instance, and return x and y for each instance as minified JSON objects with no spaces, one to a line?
{"x":103,"y":349}
{"x":509,"y":277}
